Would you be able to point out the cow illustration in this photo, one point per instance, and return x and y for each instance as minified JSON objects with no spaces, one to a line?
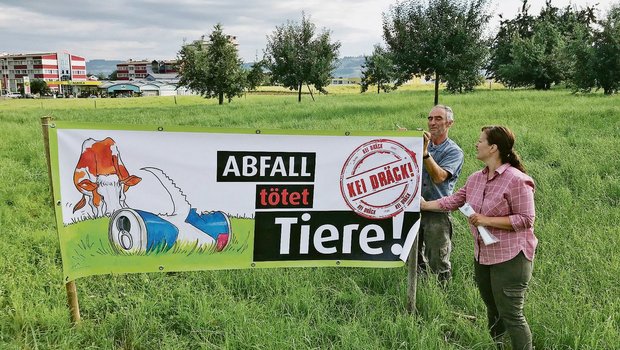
{"x":102,"y":178}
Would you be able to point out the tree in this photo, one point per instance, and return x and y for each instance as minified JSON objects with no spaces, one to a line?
{"x":607,"y":48}
{"x":594,"y":53}
{"x":39,"y":86}
{"x":113,"y":75}
{"x":440,"y":38}
{"x":296,"y":56}
{"x":542,"y":50}
{"x":501,"y":47}
{"x":538,"y":60}
{"x":212,"y":68}
{"x":256,"y":76}
{"x":378,"y":69}
{"x":582,"y":60}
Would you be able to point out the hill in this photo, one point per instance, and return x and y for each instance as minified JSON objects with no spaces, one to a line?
{"x":101,"y":66}
{"x":348,"y":67}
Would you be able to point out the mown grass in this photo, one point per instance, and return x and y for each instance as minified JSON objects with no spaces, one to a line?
{"x":570,"y":146}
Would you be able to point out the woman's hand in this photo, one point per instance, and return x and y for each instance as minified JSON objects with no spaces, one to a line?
{"x":429,"y":205}
{"x":501,"y":222}
{"x":478,"y":220}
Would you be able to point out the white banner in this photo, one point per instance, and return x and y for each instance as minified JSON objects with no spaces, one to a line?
{"x":283,"y":196}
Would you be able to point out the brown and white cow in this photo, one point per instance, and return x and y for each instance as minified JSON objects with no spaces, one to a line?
{"x":102,"y":178}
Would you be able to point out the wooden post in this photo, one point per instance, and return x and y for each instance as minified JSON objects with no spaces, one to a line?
{"x":311,"y":95}
{"x":412,"y":276}
{"x":72,"y":296}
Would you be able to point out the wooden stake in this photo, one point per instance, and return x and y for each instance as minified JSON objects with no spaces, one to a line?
{"x":412,"y":277}
{"x":72,"y":301}
{"x":72,"y":296}
{"x":311,"y":95}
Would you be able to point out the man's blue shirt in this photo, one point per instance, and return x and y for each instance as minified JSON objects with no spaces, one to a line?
{"x":449,"y":156}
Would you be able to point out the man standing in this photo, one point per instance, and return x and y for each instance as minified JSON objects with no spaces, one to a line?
{"x":442,"y":159}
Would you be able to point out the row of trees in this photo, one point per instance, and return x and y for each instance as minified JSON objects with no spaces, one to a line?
{"x":296,"y":55}
{"x":444,"y":40}
{"x":559,"y":45}
{"x":440,"y":40}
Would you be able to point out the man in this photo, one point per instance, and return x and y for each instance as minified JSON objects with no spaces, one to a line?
{"x":442,"y":159}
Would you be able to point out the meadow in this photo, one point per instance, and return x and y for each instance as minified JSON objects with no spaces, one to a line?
{"x":570,"y":145}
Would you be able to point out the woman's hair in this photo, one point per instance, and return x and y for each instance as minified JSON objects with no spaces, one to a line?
{"x":504,"y":139}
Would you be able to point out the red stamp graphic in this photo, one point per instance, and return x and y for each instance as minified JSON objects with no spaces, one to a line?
{"x":380,"y":179}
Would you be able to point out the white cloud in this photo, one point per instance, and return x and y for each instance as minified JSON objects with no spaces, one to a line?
{"x":155,"y":29}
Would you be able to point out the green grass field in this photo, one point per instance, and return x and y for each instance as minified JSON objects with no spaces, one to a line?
{"x":570,"y":145}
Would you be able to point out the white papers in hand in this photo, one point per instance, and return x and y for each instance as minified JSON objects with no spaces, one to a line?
{"x":487,"y":237}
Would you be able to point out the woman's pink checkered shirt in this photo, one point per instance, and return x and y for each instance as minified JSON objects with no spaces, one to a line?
{"x":508,"y":193}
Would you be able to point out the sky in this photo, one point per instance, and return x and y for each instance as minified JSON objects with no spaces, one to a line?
{"x":156,"y":29}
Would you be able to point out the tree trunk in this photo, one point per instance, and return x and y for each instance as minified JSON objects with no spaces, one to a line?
{"x":378,"y":88}
{"x":299,"y":94}
{"x":221,"y":98}
{"x":436,"y":89}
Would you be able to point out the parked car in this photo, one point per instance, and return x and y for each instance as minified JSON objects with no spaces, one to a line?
{"x":12,"y":95}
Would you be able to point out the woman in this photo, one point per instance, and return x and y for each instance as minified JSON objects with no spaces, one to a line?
{"x":502,"y":195}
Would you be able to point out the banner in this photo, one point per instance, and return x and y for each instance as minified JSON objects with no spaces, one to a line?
{"x":143,"y":199}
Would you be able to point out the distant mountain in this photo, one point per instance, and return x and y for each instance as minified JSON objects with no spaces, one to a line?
{"x":347,"y":67}
{"x":101,"y":66}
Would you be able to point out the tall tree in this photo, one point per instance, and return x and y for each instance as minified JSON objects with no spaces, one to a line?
{"x":378,"y":69}
{"x":607,"y":46}
{"x":256,"y":76}
{"x":295,"y":55}
{"x":501,"y":46}
{"x":441,"y":38}
{"x":538,"y":60}
{"x":540,"y":51}
{"x":582,"y":60}
{"x":212,"y":68}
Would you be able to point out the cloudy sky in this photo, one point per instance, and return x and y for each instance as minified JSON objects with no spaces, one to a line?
{"x":155,"y":29}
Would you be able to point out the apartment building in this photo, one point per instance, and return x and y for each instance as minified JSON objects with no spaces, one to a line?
{"x":56,"y":68}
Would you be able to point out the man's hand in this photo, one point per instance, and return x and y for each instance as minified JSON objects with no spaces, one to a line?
{"x":427,"y":138}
